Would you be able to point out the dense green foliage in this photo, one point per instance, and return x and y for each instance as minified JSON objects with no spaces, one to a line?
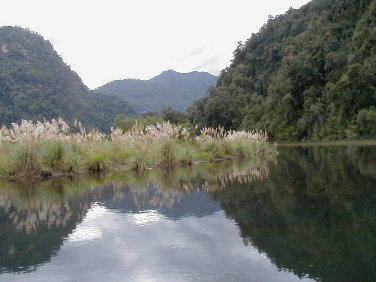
{"x":168,"y":114}
{"x":169,"y":89}
{"x":36,"y":84}
{"x":307,"y":74}
{"x":125,"y":122}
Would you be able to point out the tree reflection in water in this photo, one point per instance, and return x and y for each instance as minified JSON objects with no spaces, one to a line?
{"x":36,"y":217}
{"x":313,"y":213}
{"x":316,"y":213}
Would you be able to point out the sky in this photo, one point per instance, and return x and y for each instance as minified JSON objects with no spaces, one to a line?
{"x":117,"y":39}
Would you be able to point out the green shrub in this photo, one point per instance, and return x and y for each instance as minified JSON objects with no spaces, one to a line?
{"x":95,"y":162}
{"x":168,"y":158}
{"x":27,"y":160}
{"x":53,"y":154}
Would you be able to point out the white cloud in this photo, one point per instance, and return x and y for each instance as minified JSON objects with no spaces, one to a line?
{"x":208,"y":63}
{"x":207,"y":248}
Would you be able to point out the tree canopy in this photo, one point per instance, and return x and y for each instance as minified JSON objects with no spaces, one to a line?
{"x":307,"y":74}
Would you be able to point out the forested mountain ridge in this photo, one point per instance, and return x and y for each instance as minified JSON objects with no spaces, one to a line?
{"x":168,"y":89}
{"x":36,"y":84}
{"x":307,"y":74}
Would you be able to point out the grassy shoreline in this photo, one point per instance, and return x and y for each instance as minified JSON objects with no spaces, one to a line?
{"x":51,"y":148}
{"x":367,"y":142}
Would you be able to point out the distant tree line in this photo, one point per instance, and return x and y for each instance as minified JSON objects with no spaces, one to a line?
{"x":126,"y":122}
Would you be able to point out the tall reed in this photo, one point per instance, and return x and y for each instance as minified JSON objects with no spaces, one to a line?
{"x":35,"y":148}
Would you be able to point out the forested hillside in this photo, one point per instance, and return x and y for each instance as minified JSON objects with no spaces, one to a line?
{"x":307,"y":74}
{"x":36,"y":84}
{"x":169,"y":89}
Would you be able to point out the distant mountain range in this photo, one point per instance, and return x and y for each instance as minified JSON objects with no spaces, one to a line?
{"x":170,"y":88}
{"x":36,"y":84}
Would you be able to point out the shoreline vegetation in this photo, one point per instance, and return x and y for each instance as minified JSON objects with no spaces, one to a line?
{"x":366,"y":142}
{"x":52,"y":148}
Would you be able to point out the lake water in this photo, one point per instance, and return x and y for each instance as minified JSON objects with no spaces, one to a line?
{"x":309,"y":215}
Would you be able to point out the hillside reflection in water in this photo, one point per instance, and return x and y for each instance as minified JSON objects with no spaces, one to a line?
{"x":311,"y":214}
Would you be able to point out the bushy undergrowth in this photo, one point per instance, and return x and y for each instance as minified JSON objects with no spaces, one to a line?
{"x":31,"y":149}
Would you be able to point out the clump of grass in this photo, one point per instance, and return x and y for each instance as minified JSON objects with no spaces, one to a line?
{"x":186,"y":157}
{"x":27,"y":161}
{"x":139,"y":161}
{"x":227,"y":149}
{"x":239,"y":149}
{"x":168,"y":158}
{"x":73,"y":161}
{"x":7,"y":159}
{"x":65,"y":156}
{"x":32,"y":148}
{"x":202,"y":156}
{"x":95,"y":162}
{"x":213,"y":148}
{"x":117,"y":152}
{"x":138,"y":165}
{"x":53,"y":154}
{"x":74,"y":158}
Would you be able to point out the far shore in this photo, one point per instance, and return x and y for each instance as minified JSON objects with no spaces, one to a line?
{"x":368,"y":142}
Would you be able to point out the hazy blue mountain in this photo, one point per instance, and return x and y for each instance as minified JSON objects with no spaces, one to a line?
{"x":170,"y":88}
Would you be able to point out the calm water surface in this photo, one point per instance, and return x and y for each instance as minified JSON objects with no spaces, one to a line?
{"x":309,"y":215}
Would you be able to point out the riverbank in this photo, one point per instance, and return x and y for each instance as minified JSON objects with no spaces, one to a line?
{"x":368,"y":142}
{"x":52,"y":148}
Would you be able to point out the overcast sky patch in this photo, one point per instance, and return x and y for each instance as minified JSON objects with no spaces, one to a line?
{"x":117,"y":39}
{"x":208,"y":63}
